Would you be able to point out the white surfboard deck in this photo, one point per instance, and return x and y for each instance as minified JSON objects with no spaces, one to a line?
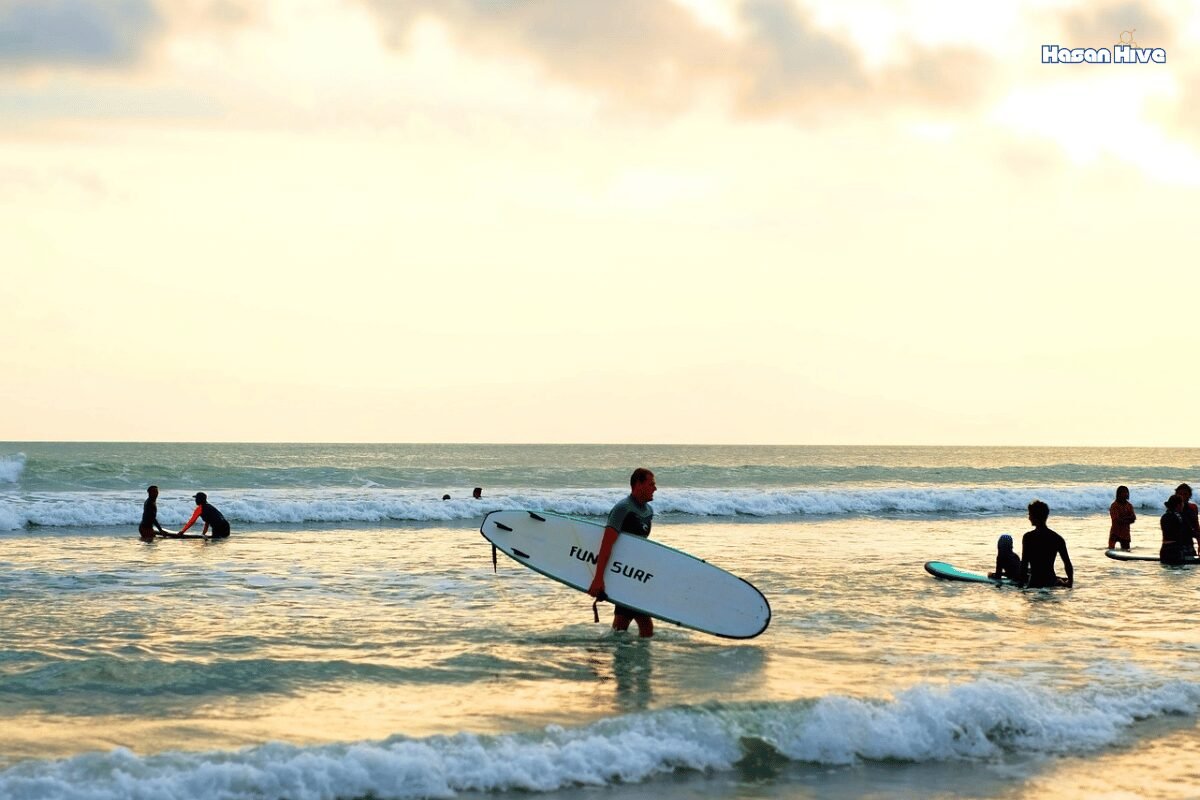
{"x":642,"y":574}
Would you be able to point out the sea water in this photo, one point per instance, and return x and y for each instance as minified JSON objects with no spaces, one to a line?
{"x":352,"y":640}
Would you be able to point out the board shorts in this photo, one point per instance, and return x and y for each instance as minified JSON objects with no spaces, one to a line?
{"x":626,"y":611}
{"x":220,"y":530}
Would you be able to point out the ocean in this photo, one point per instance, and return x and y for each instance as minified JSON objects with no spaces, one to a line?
{"x":351,"y":640}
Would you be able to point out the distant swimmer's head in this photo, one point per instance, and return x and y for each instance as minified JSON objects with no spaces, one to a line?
{"x":201,"y":497}
{"x":1174,"y":503}
{"x":445,"y":497}
{"x":478,"y":493}
{"x":641,"y":482}
{"x":1039,"y":512}
{"x":1004,"y":544}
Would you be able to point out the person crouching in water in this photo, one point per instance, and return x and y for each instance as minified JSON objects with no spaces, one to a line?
{"x":1122,"y":515}
{"x":1008,"y":565}
{"x":210,"y":515}
{"x":1038,"y":549}
{"x":1176,"y":538}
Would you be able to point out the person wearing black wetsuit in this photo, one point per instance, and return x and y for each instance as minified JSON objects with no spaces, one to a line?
{"x":149,"y":522}
{"x":1038,"y":549}
{"x":1008,"y":564}
{"x":1191,"y":518}
{"x":632,"y":514}
{"x":1176,"y":538}
{"x":211,"y":516}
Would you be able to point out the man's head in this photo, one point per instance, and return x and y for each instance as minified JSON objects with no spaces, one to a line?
{"x":1039,"y":512}
{"x":1184,"y":491}
{"x":642,"y":486}
{"x":152,"y":491}
{"x":1174,"y":503}
{"x":201,"y":498}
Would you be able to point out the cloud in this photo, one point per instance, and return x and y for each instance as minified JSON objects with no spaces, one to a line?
{"x":37,"y":33}
{"x":1102,"y":26}
{"x":655,"y":52}
{"x":641,"y":50}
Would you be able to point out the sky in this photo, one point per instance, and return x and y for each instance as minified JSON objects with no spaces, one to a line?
{"x":669,"y":221}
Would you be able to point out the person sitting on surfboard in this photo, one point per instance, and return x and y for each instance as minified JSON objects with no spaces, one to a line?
{"x":207,"y":511}
{"x":1038,"y":549}
{"x":633,"y":515}
{"x":1008,"y":565}
{"x":149,"y":522}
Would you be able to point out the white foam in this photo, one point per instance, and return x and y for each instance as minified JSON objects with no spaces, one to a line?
{"x":11,"y":468}
{"x":296,"y":506}
{"x":984,"y":719}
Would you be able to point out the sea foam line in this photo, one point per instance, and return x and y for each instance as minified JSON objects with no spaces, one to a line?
{"x":980,"y":720}
{"x":296,"y":506}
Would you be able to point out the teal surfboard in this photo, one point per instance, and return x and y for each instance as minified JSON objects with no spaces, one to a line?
{"x":949,"y":572}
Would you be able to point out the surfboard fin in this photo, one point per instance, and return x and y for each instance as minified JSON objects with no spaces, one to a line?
{"x":494,"y":572}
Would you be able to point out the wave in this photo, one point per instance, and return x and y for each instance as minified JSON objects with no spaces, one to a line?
{"x":379,"y":505}
{"x":982,"y":720}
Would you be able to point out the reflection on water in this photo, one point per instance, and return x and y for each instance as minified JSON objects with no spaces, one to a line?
{"x":632,"y":670}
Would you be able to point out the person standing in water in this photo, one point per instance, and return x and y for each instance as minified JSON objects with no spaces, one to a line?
{"x":1038,"y":550}
{"x":210,"y":515}
{"x":149,"y":522}
{"x":633,"y":515}
{"x":1191,"y":518}
{"x":1122,"y":515}
{"x":1176,"y":538}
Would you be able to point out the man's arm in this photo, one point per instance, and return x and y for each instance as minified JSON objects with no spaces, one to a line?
{"x":606,"y":546}
{"x":1066,"y":559}
{"x":192,"y":521}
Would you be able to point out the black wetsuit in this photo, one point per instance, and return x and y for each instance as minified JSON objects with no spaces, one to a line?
{"x":1191,"y":523}
{"x":629,"y":516}
{"x":1038,"y":549}
{"x":1177,"y":540}
{"x":215,"y":520}
{"x":149,"y":522}
{"x":1008,"y":565}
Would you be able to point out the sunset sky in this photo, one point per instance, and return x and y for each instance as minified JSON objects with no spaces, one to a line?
{"x":676,"y":221}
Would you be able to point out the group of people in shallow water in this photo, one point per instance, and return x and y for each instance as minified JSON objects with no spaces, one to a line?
{"x":149,"y":527}
{"x":1035,"y":566}
{"x":1180,"y":524}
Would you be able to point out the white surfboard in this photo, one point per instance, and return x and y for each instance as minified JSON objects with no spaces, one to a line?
{"x":1125,"y":555}
{"x":642,"y":574}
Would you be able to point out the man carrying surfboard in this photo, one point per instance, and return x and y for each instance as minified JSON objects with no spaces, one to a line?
{"x":634,"y":515}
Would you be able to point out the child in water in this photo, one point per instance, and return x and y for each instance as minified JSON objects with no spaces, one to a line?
{"x":1122,"y":514}
{"x":1008,"y":563}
